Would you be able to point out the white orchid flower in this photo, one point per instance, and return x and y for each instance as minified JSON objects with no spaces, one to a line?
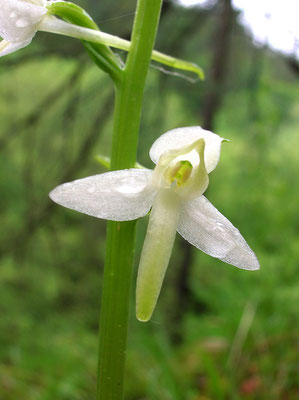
{"x":174,"y":192}
{"x":21,"y":19}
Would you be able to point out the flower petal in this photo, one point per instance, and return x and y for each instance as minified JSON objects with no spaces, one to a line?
{"x":7,"y":47}
{"x":180,"y":137}
{"x":118,"y":196}
{"x":206,"y":228}
{"x":19,"y":20}
{"x":156,"y":251}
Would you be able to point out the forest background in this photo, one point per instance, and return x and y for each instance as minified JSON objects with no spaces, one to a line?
{"x":218,"y":332}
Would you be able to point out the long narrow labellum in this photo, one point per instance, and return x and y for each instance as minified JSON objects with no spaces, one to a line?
{"x":156,"y":251}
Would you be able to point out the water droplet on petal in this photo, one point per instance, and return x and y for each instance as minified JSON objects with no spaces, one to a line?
{"x":215,"y":227}
{"x":91,"y":189}
{"x":130,"y":186}
{"x":220,"y":226}
{"x":21,"y":23}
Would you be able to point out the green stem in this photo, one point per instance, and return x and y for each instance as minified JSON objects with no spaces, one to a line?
{"x":54,"y":25}
{"x":121,"y":236}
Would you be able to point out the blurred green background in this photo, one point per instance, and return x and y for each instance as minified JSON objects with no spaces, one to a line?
{"x":218,"y":332}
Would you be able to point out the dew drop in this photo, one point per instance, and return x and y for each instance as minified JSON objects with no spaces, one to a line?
{"x":220,"y":226}
{"x":129,"y":187}
{"x":21,"y":23}
{"x":216,"y":226}
{"x":91,"y":189}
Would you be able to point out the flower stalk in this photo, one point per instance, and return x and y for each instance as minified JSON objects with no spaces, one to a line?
{"x":118,"y":272}
{"x":21,"y":19}
{"x":53,"y":25}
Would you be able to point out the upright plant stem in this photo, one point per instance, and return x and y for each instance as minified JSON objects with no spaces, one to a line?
{"x":121,"y":235}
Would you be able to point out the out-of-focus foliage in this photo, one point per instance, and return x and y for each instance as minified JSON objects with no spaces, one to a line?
{"x":219,"y":333}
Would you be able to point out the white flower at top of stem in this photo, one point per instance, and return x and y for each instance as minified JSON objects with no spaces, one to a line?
{"x":174,"y":192}
{"x":19,"y":20}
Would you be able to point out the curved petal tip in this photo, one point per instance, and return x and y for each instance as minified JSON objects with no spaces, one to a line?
{"x":180,"y":137}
